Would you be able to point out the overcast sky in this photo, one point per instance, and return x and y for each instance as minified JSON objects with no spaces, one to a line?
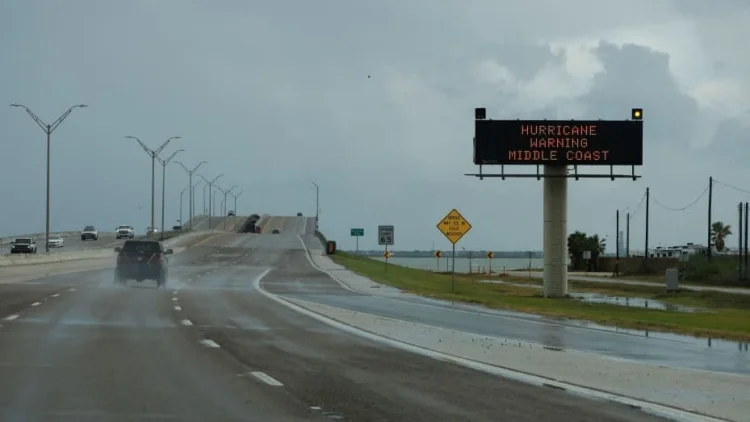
{"x":374,"y":101}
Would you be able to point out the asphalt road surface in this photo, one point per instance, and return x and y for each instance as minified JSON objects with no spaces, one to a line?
{"x":210,"y":347}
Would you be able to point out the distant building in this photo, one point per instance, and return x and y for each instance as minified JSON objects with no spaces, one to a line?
{"x":677,"y":251}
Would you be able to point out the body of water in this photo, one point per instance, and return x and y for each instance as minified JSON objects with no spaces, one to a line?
{"x":463,"y":264}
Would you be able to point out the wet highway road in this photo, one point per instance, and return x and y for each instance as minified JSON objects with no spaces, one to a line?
{"x":675,"y":351}
{"x":211,"y":348}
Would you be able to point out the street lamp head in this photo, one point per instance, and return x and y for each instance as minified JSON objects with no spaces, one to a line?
{"x":80,"y":106}
{"x":16,"y":105}
{"x":131,"y":137}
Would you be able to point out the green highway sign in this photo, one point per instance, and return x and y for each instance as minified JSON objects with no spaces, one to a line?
{"x":358,"y":232}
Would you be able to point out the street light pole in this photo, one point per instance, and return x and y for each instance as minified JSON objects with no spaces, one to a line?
{"x":205,"y":208}
{"x":153,"y":153}
{"x":164,"y":185}
{"x":190,"y":183}
{"x":317,"y":203}
{"x":48,"y":129}
{"x":213,"y":197}
{"x":193,"y":196}
{"x":210,"y":184}
{"x":235,"y":206}
{"x":227,"y":192}
{"x":181,"y":194}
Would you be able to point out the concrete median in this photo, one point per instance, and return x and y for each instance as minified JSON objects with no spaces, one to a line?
{"x":8,"y":240}
{"x":31,"y":259}
{"x":178,"y":243}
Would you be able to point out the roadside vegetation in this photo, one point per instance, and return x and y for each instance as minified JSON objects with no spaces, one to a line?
{"x":722,"y":315}
{"x":721,"y":270}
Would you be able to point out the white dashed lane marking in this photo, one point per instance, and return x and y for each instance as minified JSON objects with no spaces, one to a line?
{"x":36,"y":303}
{"x":267,"y":379}
{"x":55,"y":295}
{"x":174,"y":298}
{"x":186,"y":322}
{"x":177,"y":308}
{"x":72,"y":289}
{"x":11,"y":317}
{"x":210,"y":343}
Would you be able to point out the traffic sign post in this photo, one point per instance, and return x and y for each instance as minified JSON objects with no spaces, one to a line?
{"x":454,"y":226}
{"x":490,"y":255}
{"x":385,"y":238}
{"x":357,"y":233}
{"x":438,"y":254}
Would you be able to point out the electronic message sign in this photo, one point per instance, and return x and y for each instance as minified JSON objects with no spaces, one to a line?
{"x":565,"y":142}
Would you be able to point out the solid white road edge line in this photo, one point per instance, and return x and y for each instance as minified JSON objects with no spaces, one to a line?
{"x":262,"y":376}
{"x":314,"y":265}
{"x":653,"y":408}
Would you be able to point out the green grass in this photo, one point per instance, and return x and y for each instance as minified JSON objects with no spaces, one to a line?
{"x":727,"y":316}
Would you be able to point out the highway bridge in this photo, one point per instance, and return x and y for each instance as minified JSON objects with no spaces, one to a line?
{"x":263,"y":327}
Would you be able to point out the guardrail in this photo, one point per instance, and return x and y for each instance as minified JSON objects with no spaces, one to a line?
{"x":321,"y":237}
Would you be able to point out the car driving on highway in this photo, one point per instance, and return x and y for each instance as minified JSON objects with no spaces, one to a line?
{"x":55,"y":241}
{"x":125,"y":231}
{"x":142,"y":260}
{"x":275,"y":231}
{"x":89,"y":232}
{"x":23,"y":245}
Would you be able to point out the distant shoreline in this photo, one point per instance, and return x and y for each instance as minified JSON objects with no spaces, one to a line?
{"x":459,"y":254}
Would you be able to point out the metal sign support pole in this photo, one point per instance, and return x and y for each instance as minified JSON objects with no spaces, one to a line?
{"x":453,"y":269}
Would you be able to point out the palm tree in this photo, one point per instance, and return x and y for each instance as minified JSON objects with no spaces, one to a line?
{"x":719,"y":234}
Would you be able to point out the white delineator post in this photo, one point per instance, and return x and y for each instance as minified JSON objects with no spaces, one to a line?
{"x":555,"y":231}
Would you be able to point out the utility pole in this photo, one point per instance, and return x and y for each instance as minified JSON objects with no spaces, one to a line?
{"x":739,"y":236}
{"x":617,"y":241}
{"x":746,"y":234}
{"x":210,"y":184}
{"x":235,"y":196}
{"x":645,"y":252}
{"x":153,"y":153}
{"x":190,"y":183}
{"x":164,"y":185}
{"x":627,"y":235}
{"x":48,"y":129}
{"x":710,"y":200}
{"x":317,"y":204}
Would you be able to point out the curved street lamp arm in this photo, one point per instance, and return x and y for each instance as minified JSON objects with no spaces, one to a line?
{"x":164,"y":145}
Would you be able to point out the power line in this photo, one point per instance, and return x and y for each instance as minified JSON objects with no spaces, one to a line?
{"x":638,"y":206}
{"x":695,"y":201}
{"x":732,"y":187}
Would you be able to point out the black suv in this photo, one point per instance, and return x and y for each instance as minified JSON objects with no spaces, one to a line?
{"x":142,"y":260}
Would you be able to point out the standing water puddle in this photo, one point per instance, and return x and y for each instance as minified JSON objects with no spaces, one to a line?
{"x":637,"y":302}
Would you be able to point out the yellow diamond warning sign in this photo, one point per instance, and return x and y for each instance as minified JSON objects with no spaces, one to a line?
{"x":454,"y":226}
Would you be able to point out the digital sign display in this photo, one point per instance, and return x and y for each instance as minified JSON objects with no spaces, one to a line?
{"x":566,"y":142}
